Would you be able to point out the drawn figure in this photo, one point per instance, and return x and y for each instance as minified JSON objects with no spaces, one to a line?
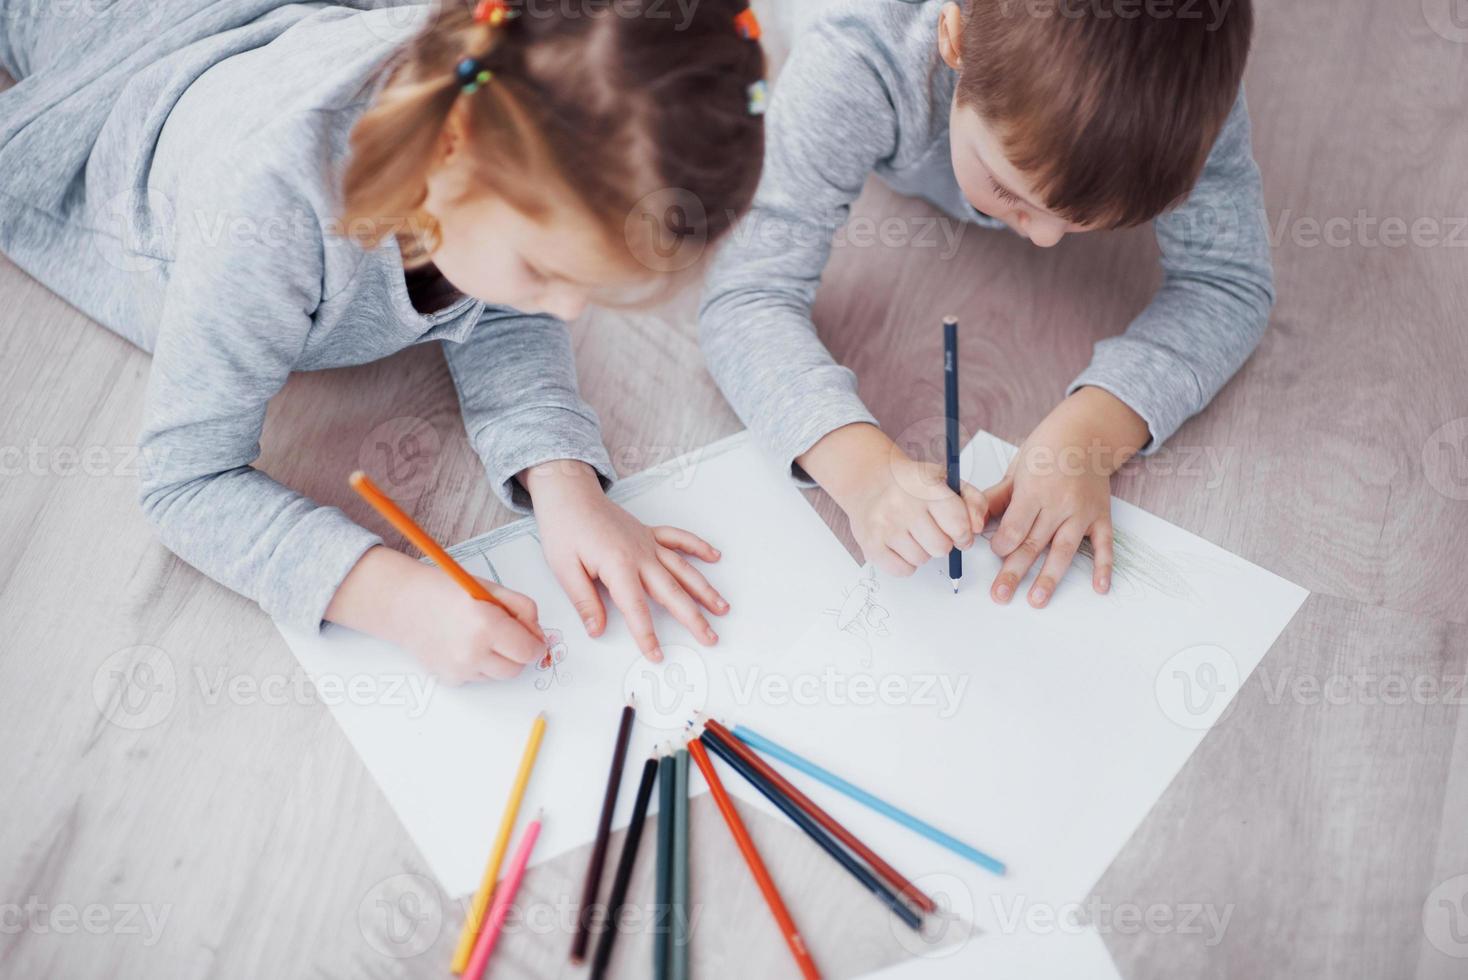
{"x":861,"y":615}
{"x":549,"y":665}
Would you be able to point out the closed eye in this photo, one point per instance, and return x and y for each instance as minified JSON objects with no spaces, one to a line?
{"x":1003,"y":193}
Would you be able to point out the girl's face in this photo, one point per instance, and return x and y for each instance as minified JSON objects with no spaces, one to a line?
{"x":992,"y":185}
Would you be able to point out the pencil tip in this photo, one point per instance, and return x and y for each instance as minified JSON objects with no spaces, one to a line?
{"x":540,"y":715}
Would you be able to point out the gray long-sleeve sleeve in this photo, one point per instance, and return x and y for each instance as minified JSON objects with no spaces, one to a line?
{"x":516,"y":380}
{"x":854,"y":100}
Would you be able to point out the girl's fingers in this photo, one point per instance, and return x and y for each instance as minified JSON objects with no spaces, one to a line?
{"x":522,"y":607}
{"x":1015,"y":525}
{"x":581,"y":590}
{"x":512,"y":640}
{"x":909,"y":550}
{"x":1062,"y":552}
{"x":626,"y":590}
{"x":686,"y":542}
{"x":663,"y":587}
{"x":693,"y":581}
{"x":891,"y":562}
{"x":497,"y":668}
{"x":977,"y":506}
{"x":1018,"y":561}
{"x":1101,"y":542}
{"x":999,"y":496}
{"x":952,"y":518}
{"x":930,"y":537}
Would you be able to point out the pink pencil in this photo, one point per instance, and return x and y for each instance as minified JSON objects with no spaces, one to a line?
{"x":500,"y":907}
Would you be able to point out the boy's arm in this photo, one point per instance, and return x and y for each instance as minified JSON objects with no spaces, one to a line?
{"x":516,"y":380}
{"x":1215,"y":299}
{"x":830,"y":121}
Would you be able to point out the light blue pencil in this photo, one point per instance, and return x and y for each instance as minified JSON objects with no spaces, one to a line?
{"x":886,"y":809}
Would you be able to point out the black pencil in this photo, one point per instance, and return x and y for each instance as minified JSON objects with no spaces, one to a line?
{"x":662,"y":903}
{"x":950,"y":419}
{"x":603,"y":828}
{"x":858,"y":870}
{"x":623,"y":877}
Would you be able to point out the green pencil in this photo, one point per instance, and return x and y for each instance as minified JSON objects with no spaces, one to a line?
{"x":678,"y":947}
{"x":661,"y":909}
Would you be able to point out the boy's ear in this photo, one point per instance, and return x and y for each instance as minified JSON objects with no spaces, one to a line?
{"x":950,"y":32}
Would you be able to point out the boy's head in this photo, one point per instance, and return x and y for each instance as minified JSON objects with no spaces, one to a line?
{"x":1072,"y":115}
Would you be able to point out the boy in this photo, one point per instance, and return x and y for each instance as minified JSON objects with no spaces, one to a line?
{"x":1046,"y":116}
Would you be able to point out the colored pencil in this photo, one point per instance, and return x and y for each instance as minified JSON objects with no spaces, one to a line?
{"x":603,"y":829}
{"x":758,"y":741}
{"x":409,"y":529}
{"x":820,"y":816}
{"x":501,"y":844}
{"x":623,"y":876}
{"x":756,"y":863}
{"x":950,"y":417}
{"x":678,"y":948}
{"x":500,"y":908}
{"x":813,"y":830}
{"x":664,"y":885}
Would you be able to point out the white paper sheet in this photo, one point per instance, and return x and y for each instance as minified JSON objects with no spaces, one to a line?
{"x":1040,"y":736}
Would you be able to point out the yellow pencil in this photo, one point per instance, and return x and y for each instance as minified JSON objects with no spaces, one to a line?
{"x":501,"y":844}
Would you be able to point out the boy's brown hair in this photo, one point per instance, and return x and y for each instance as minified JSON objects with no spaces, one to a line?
{"x":1111,"y":117}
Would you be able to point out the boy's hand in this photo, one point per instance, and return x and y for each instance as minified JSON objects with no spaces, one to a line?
{"x":587,"y":537}
{"x":901,"y":511}
{"x":1058,"y":491}
{"x":419,"y":608}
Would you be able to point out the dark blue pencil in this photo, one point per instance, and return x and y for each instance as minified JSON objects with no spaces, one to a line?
{"x":950,"y":413}
{"x":815,"y":832}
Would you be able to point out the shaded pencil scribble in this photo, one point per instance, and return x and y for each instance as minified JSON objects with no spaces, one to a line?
{"x":861,"y":615}
{"x":1138,"y":568}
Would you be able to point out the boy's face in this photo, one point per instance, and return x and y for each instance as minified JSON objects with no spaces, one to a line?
{"x":992,"y":185}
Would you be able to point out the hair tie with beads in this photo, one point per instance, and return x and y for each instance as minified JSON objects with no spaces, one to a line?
{"x":747,"y":24}
{"x":472,"y":74}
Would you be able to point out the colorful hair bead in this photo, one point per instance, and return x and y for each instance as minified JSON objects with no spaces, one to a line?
{"x":747,"y":24}
{"x":492,"y":12}
{"x":472,"y":75}
{"x":759,"y":97}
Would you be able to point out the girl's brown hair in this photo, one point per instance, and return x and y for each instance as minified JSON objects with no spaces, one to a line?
{"x":637,"y":110}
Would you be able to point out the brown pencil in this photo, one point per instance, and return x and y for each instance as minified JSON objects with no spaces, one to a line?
{"x":827,"y":822}
{"x":603,"y":830}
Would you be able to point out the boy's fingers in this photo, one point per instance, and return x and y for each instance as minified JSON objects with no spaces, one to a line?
{"x":909,"y":550}
{"x":1101,"y":542}
{"x":685,"y":541}
{"x":891,"y":562}
{"x":1020,"y":559}
{"x":1019,"y":517}
{"x":999,"y":496}
{"x":693,"y":581}
{"x":952,"y":517}
{"x":1062,"y":553}
{"x":930,"y":536}
{"x":663,"y":587}
{"x":978,"y":509}
{"x":581,"y":590}
{"x":626,"y":590}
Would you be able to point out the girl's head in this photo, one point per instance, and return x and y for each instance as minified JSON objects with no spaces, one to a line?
{"x":599,"y":149}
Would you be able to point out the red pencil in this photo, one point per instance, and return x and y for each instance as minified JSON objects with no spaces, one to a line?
{"x":756,"y":864}
{"x":894,"y":878}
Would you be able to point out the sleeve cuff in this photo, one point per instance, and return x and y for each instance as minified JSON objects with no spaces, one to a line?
{"x":1153,"y":382}
{"x":308,"y":567}
{"x":536,"y":435}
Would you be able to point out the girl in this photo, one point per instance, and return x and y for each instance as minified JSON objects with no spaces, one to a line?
{"x":247,"y":188}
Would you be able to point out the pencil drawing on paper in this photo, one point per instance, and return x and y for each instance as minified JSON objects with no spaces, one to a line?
{"x":861,"y":615}
{"x":549,"y":671}
{"x":1140,"y":568}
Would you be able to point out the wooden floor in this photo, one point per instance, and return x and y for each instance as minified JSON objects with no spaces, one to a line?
{"x":1326,"y":815}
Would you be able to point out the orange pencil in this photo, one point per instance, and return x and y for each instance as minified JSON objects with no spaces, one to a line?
{"x":409,"y":529}
{"x":756,"y":864}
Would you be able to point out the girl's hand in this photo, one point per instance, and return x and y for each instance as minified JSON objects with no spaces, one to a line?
{"x":587,"y":537}
{"x":1057,"y":492}
{"x":901,"y":511}
{"x":418,"y":607}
